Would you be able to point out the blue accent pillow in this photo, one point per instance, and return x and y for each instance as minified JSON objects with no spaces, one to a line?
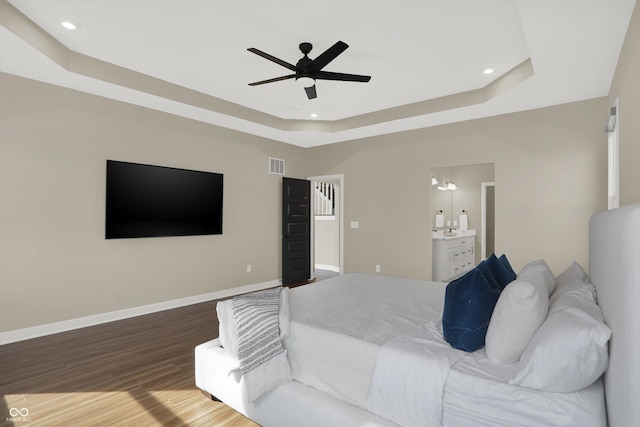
{"x":468,"y":305}
{"x":486,"y":270}
{"x":505,"y":263}
{"x":502,"y":274}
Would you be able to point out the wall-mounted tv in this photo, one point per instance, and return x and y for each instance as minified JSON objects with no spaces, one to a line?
{"x":156,"y":201}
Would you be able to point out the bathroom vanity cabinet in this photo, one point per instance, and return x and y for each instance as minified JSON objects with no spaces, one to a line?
{"x":453,"y":255}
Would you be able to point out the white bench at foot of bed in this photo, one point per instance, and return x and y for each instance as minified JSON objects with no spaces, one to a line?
{"x":289,"y":405}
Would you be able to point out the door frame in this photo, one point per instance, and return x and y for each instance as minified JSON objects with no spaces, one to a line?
{"x":340,"y":219}
{"x":483,"y":218}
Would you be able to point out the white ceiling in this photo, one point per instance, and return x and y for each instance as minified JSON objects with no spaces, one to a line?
{"x":426,"y":58}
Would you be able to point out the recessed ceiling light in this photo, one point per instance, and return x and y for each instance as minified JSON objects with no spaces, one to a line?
{"x":488,"y":70}
{"x":69,"y":25}
{"x":314,"y":115}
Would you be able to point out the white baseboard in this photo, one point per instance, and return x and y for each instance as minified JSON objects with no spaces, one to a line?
{"x":83,"y":322}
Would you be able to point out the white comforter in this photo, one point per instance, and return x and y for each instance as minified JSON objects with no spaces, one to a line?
{"x":410,"y":375}
{"x":373,"y":341}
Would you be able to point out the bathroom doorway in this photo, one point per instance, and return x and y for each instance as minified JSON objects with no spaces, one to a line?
{"x":459,"y":188}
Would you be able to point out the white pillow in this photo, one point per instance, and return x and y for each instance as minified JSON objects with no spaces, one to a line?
{"x":519,"y":312}
{"x":537,"y":271}
{"x":573,"y":272}
{"x":569,"y":351}
{"x":573,"y":279}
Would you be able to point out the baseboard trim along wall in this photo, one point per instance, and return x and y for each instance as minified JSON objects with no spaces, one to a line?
{"x":83,"y":322}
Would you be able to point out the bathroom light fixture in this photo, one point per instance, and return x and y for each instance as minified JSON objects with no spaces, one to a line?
{"x":434,"y":181}
{"x":448,"y":186}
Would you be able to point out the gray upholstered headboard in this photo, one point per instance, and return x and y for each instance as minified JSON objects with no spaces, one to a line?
{"x":614,"y":264}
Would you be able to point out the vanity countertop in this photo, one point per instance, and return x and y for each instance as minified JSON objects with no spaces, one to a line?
{"x":454,"y":234}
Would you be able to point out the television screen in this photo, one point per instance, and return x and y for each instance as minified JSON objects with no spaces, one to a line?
{"x":155,"y":201}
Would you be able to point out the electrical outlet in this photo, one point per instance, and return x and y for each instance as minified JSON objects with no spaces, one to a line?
{"x":377,"y":268}
{"x":248,"y":268}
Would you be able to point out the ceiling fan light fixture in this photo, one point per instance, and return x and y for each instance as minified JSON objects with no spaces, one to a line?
{"x":69,"y":25}
{"x":307,"y":70}
{"x":305,"y":81}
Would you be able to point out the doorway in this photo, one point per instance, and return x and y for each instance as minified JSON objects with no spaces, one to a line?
{"x":454,"y":189}
{"x":488,"y":218}
{"x":327,"y":201}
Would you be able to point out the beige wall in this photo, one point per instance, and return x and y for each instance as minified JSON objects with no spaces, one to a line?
{"x":626,"y":86}
{"x":550,"y":173}
{"x":55,"y":263}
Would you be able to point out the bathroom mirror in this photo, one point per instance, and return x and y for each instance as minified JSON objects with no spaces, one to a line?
{"x":469,"y":188}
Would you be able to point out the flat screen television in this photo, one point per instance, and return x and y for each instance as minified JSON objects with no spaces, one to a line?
{"x":156,"y":201}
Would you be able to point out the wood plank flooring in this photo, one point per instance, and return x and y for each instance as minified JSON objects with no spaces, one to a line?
{"x":133,"y":372}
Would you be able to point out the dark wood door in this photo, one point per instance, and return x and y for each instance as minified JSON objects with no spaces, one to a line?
{"x":296,"y":231}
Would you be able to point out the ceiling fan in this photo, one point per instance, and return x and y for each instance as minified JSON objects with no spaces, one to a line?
{"x":307,"y":70}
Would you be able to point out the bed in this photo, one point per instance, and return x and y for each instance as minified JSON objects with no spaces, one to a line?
{"x":371,"y":350}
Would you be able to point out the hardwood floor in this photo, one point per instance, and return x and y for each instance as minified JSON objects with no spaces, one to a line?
{"x":133,"y":372}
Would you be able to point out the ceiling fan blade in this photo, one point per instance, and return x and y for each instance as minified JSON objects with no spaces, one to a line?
{"x":272,"y":58}
{"x":328,"y":55}
{"x":328,"y":75}
{"x":276,"y":79}
{"x":311,"y":92}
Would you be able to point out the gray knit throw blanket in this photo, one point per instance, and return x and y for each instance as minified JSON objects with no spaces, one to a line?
{"x":256,"y":318}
